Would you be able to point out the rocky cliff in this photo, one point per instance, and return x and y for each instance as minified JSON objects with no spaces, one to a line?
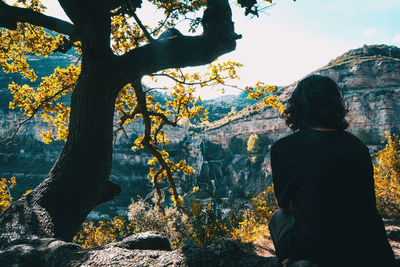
{"x":370,"y":79}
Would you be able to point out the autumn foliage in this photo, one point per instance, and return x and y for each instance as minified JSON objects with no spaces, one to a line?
{"x":387,"y":177}
{"x":254,"y":224}
{"x":5,"y":195}
{"x":104,"y":232}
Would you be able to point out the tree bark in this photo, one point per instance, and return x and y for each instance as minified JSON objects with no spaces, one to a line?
{"x":78,"y":180}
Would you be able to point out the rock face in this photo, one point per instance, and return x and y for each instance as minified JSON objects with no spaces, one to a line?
{"x":370,"y":79}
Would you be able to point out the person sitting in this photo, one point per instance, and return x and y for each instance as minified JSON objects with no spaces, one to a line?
{"x":324,"y":185}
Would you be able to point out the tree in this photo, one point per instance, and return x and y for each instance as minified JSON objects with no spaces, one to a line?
{"x":253,"y":144}
{"x":117,"y":50}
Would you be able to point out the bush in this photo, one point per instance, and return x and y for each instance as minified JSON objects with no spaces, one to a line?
{"x":207,"y":224}
{"x":387,"y":177}
{"x":254,"y":224}
{"x":205,"y":227}
{"x":146,"y":217}
{"x":94,"y":234}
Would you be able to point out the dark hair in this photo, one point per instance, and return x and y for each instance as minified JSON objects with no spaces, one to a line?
{"x":316,"y":101}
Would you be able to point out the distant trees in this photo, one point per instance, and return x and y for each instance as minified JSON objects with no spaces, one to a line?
{"x":253,"y":144}
{"x":257,"y":143}
{"x":237,"y":145}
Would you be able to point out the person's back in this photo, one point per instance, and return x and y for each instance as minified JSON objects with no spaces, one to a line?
{"x":325,"y":175}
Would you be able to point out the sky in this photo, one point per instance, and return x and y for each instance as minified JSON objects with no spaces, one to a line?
{"x":293,"y":38}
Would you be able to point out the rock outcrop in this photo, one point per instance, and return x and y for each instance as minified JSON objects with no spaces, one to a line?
{"x":370,"y":79}
{"x":151,"y":250}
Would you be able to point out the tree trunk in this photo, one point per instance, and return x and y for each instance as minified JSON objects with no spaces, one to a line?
{"x":78,"y":180}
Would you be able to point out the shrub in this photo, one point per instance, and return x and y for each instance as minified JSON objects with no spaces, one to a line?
{"x":387,"y":177}
{"x":146,"y":217}
{"x":207,"y":224}
{"x":205,"y":227}
{"x":94,"y":234}
{"x":254,"y":224}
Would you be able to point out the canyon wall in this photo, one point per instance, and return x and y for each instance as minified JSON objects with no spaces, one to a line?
{"x":370,"y":79}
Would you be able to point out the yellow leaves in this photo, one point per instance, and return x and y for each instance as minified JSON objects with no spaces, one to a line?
{"x":5,"y":196}
{"x":175,"y":8}
{"x":47,"y":136}
{"x":195,"y":189}
{"x":255,"y":220}
{"x":387,"y":177}
{"x":253,"y":143}
{"x":28,"y":192}
{"x":264,"y":94}
{"x":26,"y":39}
{"x":125,"y":34}
{"x":92,"y":235}
{"x":47,"y":100}
{"x":138,"y":143}
{"x":32,"y":4}
{"x":183,"y":167}
{"x":207,"y":225}
{"x":23,"y":42}
{"x":177,"y":201}
{"x":226,"y":70}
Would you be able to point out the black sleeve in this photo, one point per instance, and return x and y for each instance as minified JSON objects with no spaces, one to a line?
{"x":368,"y":168}
{"x":280,"y":178}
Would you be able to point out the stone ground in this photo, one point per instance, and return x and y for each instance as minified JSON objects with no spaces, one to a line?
{"x":152,"y":249}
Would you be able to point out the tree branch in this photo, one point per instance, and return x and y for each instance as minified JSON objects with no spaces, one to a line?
{"x":10,"y":15}
{"x":217,"y":39}
{"x":183,"y":81}
{"x":146,"y":142}
{"x":139,"y":22}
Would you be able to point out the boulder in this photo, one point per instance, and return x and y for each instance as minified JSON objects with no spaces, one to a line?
{"x":146,"y":240}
